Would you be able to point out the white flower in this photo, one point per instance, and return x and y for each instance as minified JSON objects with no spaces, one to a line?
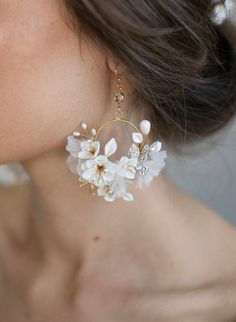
{"x":126,"y":170}
{"x":73,"y":146}
{"x":98,"y":171}
{"x":118,"y":186}
{"x":116,"y":189}
{"x":150,"y":162}
{"x":127,"y":167}
{"x":89,"y":149}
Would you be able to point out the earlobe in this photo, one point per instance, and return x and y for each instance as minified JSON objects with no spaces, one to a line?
{"x":114,"y":63}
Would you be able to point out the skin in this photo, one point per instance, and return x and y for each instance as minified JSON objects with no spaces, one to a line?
{"x":68,"y":256}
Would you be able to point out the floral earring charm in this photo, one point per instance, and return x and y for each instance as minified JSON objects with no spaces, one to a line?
{"x":107,"y":178}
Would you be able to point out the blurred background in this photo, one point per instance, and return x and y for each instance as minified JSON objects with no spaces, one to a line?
{"x":206,"y":170}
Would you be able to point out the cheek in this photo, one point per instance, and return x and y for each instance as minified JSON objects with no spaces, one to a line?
{"x":45,"y":86}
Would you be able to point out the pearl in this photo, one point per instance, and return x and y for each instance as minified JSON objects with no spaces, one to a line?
{"x":137,"y":137}
{"x":76,"y":133}
{"x":84,"y":125}
{"x":145,"y":127}
{"x":93,"y":132}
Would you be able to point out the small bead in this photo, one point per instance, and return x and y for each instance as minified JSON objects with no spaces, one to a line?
{"x":137,"y":137}
{"x":93,"y":132}
{"x":119,"y":97}
{"x":84,"y":125}
{"x":76,"y":133}
{"x":145,"y":127}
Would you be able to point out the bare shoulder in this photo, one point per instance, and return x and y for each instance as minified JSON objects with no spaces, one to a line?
{"x":199,"y":238}
{"x":199,"y":259}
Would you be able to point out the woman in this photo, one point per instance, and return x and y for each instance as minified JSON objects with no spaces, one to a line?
{"x":65,"y":254}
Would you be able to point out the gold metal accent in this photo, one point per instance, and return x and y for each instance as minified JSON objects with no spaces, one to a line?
{"x":118,"y":97}
{"x":83,"y":184}
{"x":93,"y":189}
{"x":118,"y":117}
{"x":118,"y":113}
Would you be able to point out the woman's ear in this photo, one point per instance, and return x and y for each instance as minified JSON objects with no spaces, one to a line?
{"x":113,"y":62}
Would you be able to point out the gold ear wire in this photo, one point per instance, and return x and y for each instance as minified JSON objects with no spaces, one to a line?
{"x":118,"y":97}
{"x":119,"y":115}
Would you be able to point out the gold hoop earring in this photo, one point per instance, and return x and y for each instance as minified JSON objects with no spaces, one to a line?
{"x":107,"y":178}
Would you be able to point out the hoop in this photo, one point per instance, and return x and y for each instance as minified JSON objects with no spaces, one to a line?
{"x":110,"y":178}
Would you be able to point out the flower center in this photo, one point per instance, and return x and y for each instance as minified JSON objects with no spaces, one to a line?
{"x":100,"y":169}
{"x":91,"y":149}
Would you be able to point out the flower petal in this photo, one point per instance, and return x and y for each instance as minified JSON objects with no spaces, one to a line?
{"x":128,"y":173}
{"x":84,"y":154}
{"x":100,"y":159}
{"x":90,"y":163}
{"x":127,"y":167}
{"x":158,"y":163}
{"x":123,"y":160}
{"x":128,"y":196}
{"x":72,"y":163}
{"x":110,"y":197}
{"x":84,"y":144}
{"x":73,"y":146}
{"x":89,"y":174}
{"x":110,"y":147}
{"x":156,"y":146}
{"x":89,"y":149}
{"x":96,"y":146}
{"x":81,"y":166}
{"x":144,"y":181}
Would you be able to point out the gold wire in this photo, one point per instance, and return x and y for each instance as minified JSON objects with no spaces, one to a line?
{"x":117,"y":119}
{"x":118,"y":111}
{"x":83,"y":184}
{"x":118,"y":114}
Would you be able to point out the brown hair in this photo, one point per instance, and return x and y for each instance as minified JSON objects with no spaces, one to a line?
{"x":182,"y":65}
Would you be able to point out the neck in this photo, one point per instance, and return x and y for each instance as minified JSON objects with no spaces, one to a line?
{"x":67,"y":218}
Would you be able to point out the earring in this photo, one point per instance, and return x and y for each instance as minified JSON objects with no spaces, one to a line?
{"x":107,"y":178}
